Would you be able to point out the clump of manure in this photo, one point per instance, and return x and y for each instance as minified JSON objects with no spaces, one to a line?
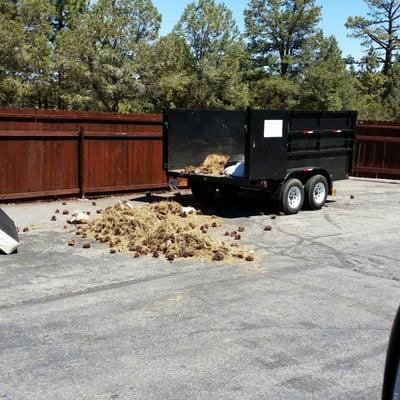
{"x":160,"y":229}
{"x":214,"y":164}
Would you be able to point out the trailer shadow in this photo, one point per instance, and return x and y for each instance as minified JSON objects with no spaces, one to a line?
{"x":244,"y":205}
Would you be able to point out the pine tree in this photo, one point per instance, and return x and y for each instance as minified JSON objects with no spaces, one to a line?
{"x":216,"y":53}
{"x":25,"y":53}
{"x":379,"y":30}
{"x":373,"y":86}
{"x":278,"y":32}
{"x":167,"y":73}
{"x":102,"y":55}
{"x":393,"y":99}
{"x":327,"y":85}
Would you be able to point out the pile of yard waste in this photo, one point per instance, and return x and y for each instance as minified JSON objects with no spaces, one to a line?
{"x":164,"y":229}
{"x":214,"y":164}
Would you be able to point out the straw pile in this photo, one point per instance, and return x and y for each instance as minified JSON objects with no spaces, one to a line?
{"x":161,"y":229}
{"x":214,"y":164}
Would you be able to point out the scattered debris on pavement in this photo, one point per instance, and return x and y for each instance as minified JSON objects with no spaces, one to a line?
{"x":162,"y":229}
{"x":78,"y":217}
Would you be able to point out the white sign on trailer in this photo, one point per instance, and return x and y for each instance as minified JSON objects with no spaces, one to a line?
{"x":273,"y":128}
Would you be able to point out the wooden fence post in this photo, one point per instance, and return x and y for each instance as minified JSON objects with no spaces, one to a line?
{"x":81,"y":164}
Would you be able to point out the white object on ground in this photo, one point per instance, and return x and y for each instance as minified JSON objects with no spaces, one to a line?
{"x":189,"y":210}
{"x":236,"y":170}
{"x":7,"y":243}
{"x":78,"y":217}
{"x":9,"y":239}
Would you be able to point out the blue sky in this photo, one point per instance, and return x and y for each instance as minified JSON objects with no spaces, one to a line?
{"x":334,"y":15}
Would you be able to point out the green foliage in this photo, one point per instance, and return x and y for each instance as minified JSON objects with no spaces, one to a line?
{"x":107,"y":55}
{"x":379,"y":30}
{"x":278,"y":32}
{"x":25,"y":53}
{"x":101,"y":55}
{"x":166,"y":73}
{"x":393,"y":99}
{"x":327,"y":85}
{"x":66,"y":13}
{"x":275,"y":92}
{"x":372,"y":88}
{"x":216,"y":52}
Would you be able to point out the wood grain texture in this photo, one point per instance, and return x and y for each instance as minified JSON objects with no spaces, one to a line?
{"x":40,"y":153}
{"x":377,"y":152}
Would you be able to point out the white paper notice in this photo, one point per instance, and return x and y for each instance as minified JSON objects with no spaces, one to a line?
{"x":273,"y":128}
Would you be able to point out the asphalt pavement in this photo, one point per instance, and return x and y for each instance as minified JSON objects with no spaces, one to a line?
{"x":309,"y":320}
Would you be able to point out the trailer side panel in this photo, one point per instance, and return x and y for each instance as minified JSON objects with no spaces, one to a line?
{"x":191,"y":135}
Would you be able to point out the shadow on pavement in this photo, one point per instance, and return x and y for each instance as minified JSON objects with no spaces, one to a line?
{"x":242,"y":205}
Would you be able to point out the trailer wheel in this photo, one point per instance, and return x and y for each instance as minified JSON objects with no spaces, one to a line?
{"x":316,"y":190}
{"x":291,"y":197}
{"x":203,"y":193}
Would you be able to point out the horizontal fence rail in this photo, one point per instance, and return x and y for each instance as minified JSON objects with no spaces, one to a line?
{"x":377,"y":152}
{"x":59,"y":153}
{"x":64,"y":153}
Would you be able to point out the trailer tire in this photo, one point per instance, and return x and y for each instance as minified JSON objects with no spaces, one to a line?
{"x":203,"y":193}
{"x":291,"y":197}
{"x":316,"y":192}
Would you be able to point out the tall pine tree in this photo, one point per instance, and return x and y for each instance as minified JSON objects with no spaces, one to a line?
{"x":278,"y":32}
{"x":102,"y":55}
{"x":216,"y":53}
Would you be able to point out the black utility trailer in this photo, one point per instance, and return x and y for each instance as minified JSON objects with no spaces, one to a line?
{"x":294,"y":156}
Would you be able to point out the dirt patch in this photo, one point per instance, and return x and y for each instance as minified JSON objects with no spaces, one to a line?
{"x":162,"y":229}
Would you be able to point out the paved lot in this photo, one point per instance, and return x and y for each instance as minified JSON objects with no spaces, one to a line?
{"x":311,"y":320}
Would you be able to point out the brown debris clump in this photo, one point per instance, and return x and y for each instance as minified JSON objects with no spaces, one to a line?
{"x":214,"y":164}
{"x":157,"y":230}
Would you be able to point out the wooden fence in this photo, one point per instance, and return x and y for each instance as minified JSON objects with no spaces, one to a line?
{"x":60,"y":153}
{"x":377,"y":152}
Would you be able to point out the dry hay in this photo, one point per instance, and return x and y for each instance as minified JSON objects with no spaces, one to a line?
{"x":161,"y":229}
{"x":214,"y":164}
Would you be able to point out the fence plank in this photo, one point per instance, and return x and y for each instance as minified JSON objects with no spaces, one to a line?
{"x":53,"y":153}
{"x":377,"y":151}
